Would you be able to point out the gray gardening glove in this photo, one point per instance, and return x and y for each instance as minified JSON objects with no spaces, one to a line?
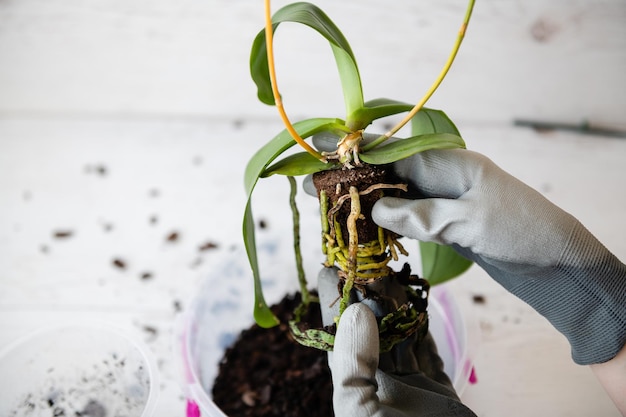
{"x":408,"y":381}
{"x":534,"y":249}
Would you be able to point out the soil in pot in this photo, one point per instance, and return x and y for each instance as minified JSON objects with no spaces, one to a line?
{"x":267,"y":373}
{"x":372,"y":180}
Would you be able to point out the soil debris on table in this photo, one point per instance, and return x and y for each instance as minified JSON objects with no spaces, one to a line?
{"x":173,"y":237}
{"x":151,"y":332}
{"x":208,"y":246}
{"x":266,"y":373}
{"x":63,"y":234}
{"x":119,"y":263}
{"x":479,"y":299}
{"x":98,"y":169}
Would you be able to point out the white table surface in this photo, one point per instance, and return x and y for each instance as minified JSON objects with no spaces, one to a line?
{"x":122,"y":187}
{"x":121,"y":151}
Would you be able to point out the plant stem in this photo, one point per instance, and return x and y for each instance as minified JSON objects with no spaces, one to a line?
{"x":269,"y":36}
{"x":296,"y":241}
{"x":433,"y":87}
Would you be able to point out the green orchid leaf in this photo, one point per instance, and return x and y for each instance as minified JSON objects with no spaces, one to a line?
{"x":257,"y":164}
{"x":441,"y":263}
{"x":432,"y":121}
{"x":302,"y":163}
{"x":263,"y":315}
{"x":377,"y":109}
{"x":283,"y":141}
{"x":350,"y":84}
{"x":401,"y":149}
{"x":386,"y":102}
{"x":313,"y":17}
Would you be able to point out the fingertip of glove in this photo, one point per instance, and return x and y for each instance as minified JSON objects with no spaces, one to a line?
{"x":356,"y":344}
{"x":358,"y":326}
{"x":385,"y":213}
{"x":358,"y":313}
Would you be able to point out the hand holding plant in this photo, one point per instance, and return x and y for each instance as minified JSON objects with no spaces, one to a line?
{"x":454,"y":201}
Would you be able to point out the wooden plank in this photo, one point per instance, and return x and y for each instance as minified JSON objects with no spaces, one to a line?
{"x":558,"y":60}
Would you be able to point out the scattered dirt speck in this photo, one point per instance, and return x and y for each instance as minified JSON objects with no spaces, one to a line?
{"x":98,"y":169}
{"x":543,"y":30}
{"x":207,"y":246}
{"x":119,"y":263}
{"x":145,"y":276}
{"x":479,"y":299}
{"x":154,"y":193}
{"x":151,"y":331}
{"x":62,"y":234}
{"x":153,"y":220}
{"x":263,"y":224}
{"x":173,"y":237}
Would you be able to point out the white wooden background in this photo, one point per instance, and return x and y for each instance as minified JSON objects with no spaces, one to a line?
{"x":123,"y":121}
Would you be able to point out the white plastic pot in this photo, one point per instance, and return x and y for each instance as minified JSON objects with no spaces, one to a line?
{"x":77,"y":369}
{"x":223,"y":307}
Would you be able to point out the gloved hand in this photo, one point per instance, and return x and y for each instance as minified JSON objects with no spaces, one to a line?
{"x":408,"y":381}
{"x":534,"y":249}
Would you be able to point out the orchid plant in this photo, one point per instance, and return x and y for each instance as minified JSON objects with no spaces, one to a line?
{"x":430,"y":129}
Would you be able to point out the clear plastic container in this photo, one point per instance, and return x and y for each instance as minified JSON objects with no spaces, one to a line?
{"x":77,"y":369}
{"x":223,"y":307}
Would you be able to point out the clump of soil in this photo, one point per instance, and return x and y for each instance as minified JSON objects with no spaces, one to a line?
{"x":267,"y":373}
{"x":337,"y":183}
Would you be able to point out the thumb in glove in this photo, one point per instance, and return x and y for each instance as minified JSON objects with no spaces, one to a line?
{"x":361,"y":389}
{"x":408,"y":381}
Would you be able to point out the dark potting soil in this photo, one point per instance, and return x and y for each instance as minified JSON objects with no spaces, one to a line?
{"x":266,"y":373}
{"x":337,"y":183}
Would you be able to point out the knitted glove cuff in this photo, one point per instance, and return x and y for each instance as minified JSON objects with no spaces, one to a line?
{"x":584,"y":297}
